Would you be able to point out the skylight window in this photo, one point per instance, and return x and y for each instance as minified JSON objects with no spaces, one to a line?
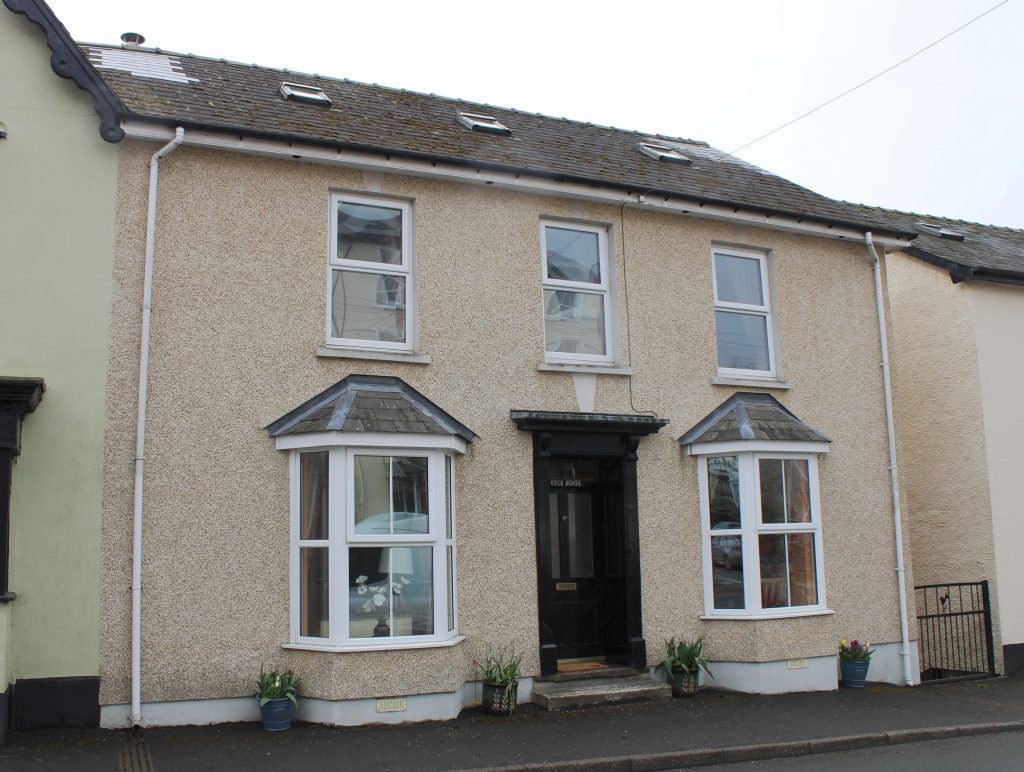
{"x":483,"y":123}
{"x":938,"y":230}
{"x":663,"y":153}
{"x":304,"y":93}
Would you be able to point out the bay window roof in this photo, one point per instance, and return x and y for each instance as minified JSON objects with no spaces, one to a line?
{"x":369,"y":403}
{"x":749,"y":416}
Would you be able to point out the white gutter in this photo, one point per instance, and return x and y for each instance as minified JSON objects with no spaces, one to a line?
{"x":140,"y":430}
{"x":501,"y":179}
{"x":908,"y":675}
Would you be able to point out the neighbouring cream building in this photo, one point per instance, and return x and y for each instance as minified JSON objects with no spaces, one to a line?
{"x":958,"y":311}
{"x":421,"y":377}
{"x":58,"y":174}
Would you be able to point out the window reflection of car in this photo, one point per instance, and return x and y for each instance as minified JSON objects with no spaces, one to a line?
{"x":726,"y":551}
{"x":405,"y":524}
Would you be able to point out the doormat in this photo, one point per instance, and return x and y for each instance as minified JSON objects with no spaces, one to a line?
{"x":577,"y":667}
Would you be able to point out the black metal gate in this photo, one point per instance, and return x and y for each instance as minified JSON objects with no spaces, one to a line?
{"x":956,"y":631}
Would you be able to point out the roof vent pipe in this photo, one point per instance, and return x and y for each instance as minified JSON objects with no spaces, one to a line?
{"x":132,"y":39}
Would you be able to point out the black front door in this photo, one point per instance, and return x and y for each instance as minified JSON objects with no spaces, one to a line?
{"x":581,"y":558}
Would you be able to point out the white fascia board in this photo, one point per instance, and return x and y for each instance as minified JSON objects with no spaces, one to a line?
{"x":508,"y":180}
{"x":371,"y":440}
{"x":755,"y":446}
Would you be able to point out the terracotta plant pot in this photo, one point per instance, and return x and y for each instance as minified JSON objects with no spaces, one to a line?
{"x":277,"y":714}
{"x":854,"y":673}
{"x":499,"y":699}
{"x":684,"y":683}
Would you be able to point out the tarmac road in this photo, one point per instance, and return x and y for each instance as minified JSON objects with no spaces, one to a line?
{"x":982,"y":753}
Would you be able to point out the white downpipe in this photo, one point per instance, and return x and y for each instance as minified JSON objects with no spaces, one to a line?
{"x":908,"y":675}
{"x":140,"y":430}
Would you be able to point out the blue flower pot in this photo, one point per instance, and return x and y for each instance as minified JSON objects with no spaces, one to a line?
{"x":854,"y":673}
{"x":277,"y":714}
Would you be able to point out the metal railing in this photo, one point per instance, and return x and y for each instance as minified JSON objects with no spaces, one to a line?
{"x":955,"y":622}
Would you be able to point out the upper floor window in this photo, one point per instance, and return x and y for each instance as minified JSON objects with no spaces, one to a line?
{"x":743,"y":315}
{"x":371,"y":287}
{"x":577,"y":312}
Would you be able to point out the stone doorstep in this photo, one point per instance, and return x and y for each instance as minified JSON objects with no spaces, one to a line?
{"x":599,"y":691}
{"x":613,"y":671}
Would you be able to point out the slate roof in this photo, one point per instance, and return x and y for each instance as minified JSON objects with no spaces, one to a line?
{"x":216,"y":94}
{"x":369,"y":403}
{"x":986,"y":252}
{"x":751,"y":416}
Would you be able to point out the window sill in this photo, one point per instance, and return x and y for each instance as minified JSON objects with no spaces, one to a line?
{"x":818,"y":612}
{"x":363,"y":647}
{"x":409,"y":357}
{"x":763,"y":383}
{"x":572,"y":367}
{"x":7,"y":597}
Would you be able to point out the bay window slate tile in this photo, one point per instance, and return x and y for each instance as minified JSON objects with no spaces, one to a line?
{"x":751,"y":416}
{"x":367,"y":403}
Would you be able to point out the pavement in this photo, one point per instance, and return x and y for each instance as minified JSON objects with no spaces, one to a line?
{"x":715,"y":727}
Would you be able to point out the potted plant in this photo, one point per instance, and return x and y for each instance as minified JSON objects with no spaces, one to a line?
{"x":684,"y":659}
{"x":854,"y":660}
{"x":500,"y":674}
{"x":276,"y":692}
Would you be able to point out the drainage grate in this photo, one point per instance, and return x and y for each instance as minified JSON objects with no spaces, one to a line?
{"x":134,"y":753}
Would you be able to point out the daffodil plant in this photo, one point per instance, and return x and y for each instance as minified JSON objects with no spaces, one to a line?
{"x":276,"y":685}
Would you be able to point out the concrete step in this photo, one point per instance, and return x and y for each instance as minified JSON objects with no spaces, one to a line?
{"x":565,"y":695}
{"x":613,"y":671}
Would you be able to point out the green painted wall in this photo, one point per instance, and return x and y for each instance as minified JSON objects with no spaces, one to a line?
{"x":57,"y":198}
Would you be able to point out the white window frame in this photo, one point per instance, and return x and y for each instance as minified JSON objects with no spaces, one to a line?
{"x":765,"y":310}
{"x":405,"y":270}
{"x":342,"y":537}
{"x":603,"y":289}
{"x":751,"y":526}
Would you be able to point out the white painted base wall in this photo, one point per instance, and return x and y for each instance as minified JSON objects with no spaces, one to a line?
{"x":820,"y":674}
{"x":419,"y":707}
{"x":887,"y":664}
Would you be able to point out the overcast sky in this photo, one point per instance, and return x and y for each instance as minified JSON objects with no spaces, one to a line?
{"x":941,"y":134}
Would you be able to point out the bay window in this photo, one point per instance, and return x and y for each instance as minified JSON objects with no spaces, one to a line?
{"x":761,"y":529}
{"x":373,"y":555}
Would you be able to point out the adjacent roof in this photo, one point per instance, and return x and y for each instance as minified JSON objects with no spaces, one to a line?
{"x":215,"y":94}
{"x":985,"y":252}
{"x":751,"y":416}
{"x":369,"y":403}
{"x":69,"y":62}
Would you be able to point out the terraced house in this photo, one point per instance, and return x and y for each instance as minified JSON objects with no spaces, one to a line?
{"x":393,"y":377}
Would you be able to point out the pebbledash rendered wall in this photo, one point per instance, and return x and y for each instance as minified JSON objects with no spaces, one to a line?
{"x":239,"y":311}
{"x":960,"y":366}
